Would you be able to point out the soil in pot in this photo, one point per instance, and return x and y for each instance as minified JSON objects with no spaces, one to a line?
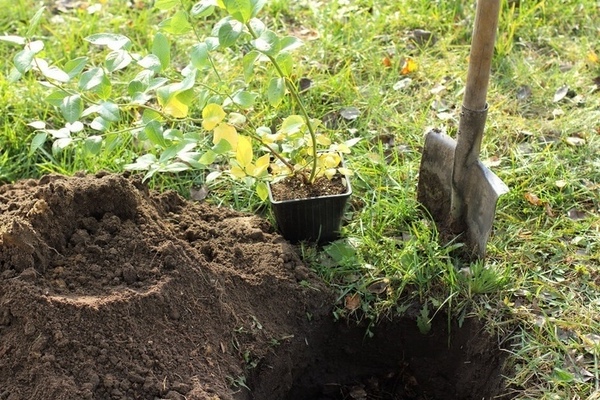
{"x":294,"y":189}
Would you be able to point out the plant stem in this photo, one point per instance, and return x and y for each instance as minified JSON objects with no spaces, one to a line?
{"x":296,"y":96}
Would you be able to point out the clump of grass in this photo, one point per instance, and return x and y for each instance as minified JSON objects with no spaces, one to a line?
{"x":539,"y":289}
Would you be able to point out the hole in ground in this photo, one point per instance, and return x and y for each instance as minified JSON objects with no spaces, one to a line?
{"x":397,"y":363}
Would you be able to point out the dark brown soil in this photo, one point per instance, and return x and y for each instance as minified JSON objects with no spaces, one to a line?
{"x":292,"y":189}
{"x":110,"y":291}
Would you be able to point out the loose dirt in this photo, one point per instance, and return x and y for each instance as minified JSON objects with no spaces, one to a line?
{"x":111,"y":291}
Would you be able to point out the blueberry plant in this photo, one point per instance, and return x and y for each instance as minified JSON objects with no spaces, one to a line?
{"x":180,"y":118}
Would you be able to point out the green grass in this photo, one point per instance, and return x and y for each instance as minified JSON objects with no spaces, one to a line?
{"x":540,"y":288}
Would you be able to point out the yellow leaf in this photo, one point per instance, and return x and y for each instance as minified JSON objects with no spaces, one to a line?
{"x":345,"y":171}
{"x":409,"y":66}
{"x":329,"y":160}
{"x":262,"y":191}
{"x":323,"y":140}
{"x":330,"y":173}
{"x":176,"y":108}
{"x":262,"y":164}
{"x":592,"y":58}
{"x":237,"y":172}
{"x":244,"y":154}
{"x":212,"y":115}
{"x":226,"y":132}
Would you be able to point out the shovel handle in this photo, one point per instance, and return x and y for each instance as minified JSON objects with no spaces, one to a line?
{"x":482,"y":51}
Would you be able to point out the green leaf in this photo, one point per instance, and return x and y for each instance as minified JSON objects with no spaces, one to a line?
{"x":55,"y":98}
{"x":117,"y":60}
{"x":203,"y":8}
{"x":276,"y":91}
{"x":267,"y":43}
{"x":71,"y":108}
{"x":13,"y":39}
{"x":150,"y":115}
{"x":93,"y":144}
{"x":248,"y":64}
{"x":178,"y":24}
{"x":208,"y":158}
{"x":257,"y":5}
{"x":286,"y":63}
{"x":150,"y":62}
{"x":244,"y":99}
{"x":154,"y":133}
{"x":175,"y":167}
{"x":142,"y":163}
{"x":99,"y":124}
{"x":262,"y":191}
{"x":35,"y":21}
{"x":165,"y":4}
{"x":292,"y":124}
{"x":240,"y":10}
{"x":23,"y":60}
{"x":53,"y":72}
{"x":199,"y":56}
{"x":113,"y":41}
{"x":109,"y":111}
{"x":229,"y":32}
{"x":91,"y":78}
{"x":75,"y":66}
{"x":38,"y":141}
{"x":161,"y":48}
{"x":290,"y":43}
{"x":563,"y":375}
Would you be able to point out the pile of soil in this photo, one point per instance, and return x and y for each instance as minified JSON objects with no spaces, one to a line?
{"x":111,"y":291}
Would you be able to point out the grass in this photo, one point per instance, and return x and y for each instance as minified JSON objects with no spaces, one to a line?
{"x":539,"y":290}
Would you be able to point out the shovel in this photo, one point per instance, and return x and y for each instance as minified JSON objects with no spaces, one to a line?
{"x":454,"y":186}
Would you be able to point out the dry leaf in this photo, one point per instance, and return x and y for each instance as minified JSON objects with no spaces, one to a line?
{"x":352,"y":302}
{"x":533,"y":199}
{"x":560,"y":183}
{"x":387,"y":62}
{"x":198,"y":193}
{"x":523,"y":93}
{"x":402,"y":84}
{"x":576,"y":215}
{"x":378,"y":287}
{"x":560,"y":93}
{"x":549,"y":210}
{"x":408,"y":66}
{"x":575,"y":141}
{"x":493,"y":161}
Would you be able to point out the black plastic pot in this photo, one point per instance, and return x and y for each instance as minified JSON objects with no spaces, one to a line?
{"x":315,"y":219}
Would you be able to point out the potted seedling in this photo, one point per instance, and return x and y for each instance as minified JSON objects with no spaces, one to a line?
{"x":301,"y":170}
{"x":294,"y":164}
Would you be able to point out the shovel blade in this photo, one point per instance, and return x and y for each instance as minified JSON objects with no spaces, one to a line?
{"x":434,"y":190}
{"x":479,"y":190}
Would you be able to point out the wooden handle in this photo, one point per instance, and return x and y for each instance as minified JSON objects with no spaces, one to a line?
{"x":482,"y":51}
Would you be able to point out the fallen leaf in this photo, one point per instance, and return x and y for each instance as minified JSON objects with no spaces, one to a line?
{"x":378,"y":287}
{"x":592,"y":57}
{"x":387,"y":62}
{"x":560,"y":183}
{"x":523,"y":93}
{"x":349,"y":113}
{"x":352,"y":302}
{"x":408,"y":66}
{"x":402,"y":84}
{"x":493,"y":161}
{"x":560,"y":93}
{"x":358,"y":393}
{"x":549,"y":211}
{"x":422,"y":37}
{"x":575,"y":141}
{"x":533,"y":199}
{"x":199,"y":193}
{"x":304,"y":84}
{"x":576,"y":215}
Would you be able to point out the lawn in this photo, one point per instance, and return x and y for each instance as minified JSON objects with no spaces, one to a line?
{"x":386,"y":72}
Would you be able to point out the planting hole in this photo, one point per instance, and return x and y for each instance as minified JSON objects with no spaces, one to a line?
{"x":397,"y":363}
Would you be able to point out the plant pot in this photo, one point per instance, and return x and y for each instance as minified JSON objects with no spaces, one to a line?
{"x":315,"y":219}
